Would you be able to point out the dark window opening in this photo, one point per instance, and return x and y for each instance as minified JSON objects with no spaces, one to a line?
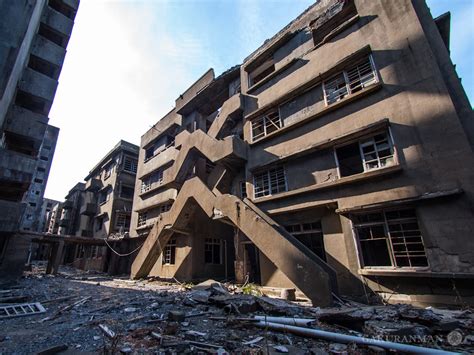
{"x":31,"y":102}
{"x":126,"y":192}
{"x":62,"y":8}
{"x":261,"y":72}
{"x":11,"y":191}
{"x":350,"y":161}
{"x":212,"y":251}
{"x":52,"y":35}
{"x":311,"y":235}
{"x":44,"y":67}
{"x":169,"y":253}
{"x":32,"y":204}
{"x":39,"y":181}
{"x":149,"y":152}
{"x":19,"y":144}
{"x":44,"y":158}
{"x":42,"y":170}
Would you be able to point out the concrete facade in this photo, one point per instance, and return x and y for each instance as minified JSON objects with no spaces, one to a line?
{"x":33,"y":39}
{"x":343,"y":133}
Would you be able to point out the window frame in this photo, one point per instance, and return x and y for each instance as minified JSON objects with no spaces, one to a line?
{"x":152,"y":180}
{"x":350,"y":91}
{"x":118,"y":217}
{"x":209,"y":246}
{"x":269,"y":182}
{"x":142,"y":219}
{"x":169,"y":253}
{"x":132,"y":162}
{"x":365,"y":138}
{"x":390,"y":249}
{"x":264,"y":118}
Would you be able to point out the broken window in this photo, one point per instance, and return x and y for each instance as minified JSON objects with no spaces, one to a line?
{"x":367,"y":154}
{"x":390,"y":238}
{"x":311,"y":235}
{"x":104,"y":195}
{"x":122,"y":221}
{"x":169,"y":253}
{"x":142,"y":218}
{"x":212,"y":251}
{"x":270,"y":182}
{"x":262,"y":71}
{"x":155,"y":178}
{"x":266,"y":124}
{"x":350,"y":81}
{"x":108,"y":171}
{"x":130,"y":164}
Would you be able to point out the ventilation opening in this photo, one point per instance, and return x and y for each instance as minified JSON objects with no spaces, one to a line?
{"x":52,"y":35}
{"x":59,"y":6}
{"x":31,"y":102}
{"x":44,"y":67}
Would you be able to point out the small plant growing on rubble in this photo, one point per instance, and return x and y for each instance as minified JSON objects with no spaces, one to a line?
{"x":251,"y":289}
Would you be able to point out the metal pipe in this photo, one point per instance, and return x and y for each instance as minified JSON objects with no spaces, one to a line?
{"x":343,"y":338}
{"x":300,"y":322}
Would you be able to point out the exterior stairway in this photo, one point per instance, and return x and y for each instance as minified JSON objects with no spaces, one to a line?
{"x":308,"y":272}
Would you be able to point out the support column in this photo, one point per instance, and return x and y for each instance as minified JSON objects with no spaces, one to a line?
{"x":55,"y":258}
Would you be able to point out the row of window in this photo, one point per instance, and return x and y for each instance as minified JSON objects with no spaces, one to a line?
{"x":366,"y":154}
{"x":347,"y":82}
{"x":151,"y":181}
{"x":213,"y":251}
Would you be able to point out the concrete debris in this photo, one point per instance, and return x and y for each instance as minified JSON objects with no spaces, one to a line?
{"x":98,"y":319}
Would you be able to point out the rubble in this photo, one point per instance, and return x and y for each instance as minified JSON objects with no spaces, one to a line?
{"x":85,"y":316}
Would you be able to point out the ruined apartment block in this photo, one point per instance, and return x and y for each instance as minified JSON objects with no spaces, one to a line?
{"x":33,"y":39}
{"x":329,"y":161}
{"x":98,"y":209}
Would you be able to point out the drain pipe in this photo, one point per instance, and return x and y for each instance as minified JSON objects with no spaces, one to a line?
{"x":343,"y":338}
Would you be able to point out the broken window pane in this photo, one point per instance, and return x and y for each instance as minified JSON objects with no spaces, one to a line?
{"x":270,"y":182}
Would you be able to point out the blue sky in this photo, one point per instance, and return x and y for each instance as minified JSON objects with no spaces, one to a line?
{"x":128,"y":60}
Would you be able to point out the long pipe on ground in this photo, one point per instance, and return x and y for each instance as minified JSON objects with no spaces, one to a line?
{"x":343,"y":338}
{"x":300,"y":322}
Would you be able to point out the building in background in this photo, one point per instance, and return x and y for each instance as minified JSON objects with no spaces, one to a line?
{"x":33,"y":39}
{"x":331,"y":164}
{"x":33,"y":217}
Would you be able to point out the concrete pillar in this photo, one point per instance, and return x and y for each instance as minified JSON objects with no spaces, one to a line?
{"x":55,"y":258}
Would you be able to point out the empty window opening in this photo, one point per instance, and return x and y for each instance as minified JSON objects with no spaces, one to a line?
{"x":108,"y":170}
{"x":62,"y":8}
{"x":213,"y":251}
{"x":30,"y":102}
{"x":390,"y":238}
{"x":130,"y":164}
{"x":20,"y":144}
{"x":142,"y":218}
{"x":52,"y":35}
{"x":104,"y":195}
{"x":169,"y":253}
{"x":243,"y":189}
{"x":44,"y":67}
{"x":367,"y":154}
{"x":43,"y":158}
{"x":42,"y":170}
{"x":39,"y":181}
{"x":261,"y":72}
{"x":126,"y":192}
{"x":151,"y":181}
{"x":99,"y":222}
{"x":270,"y":182}
{"x":350,"y":81}
{"x":266,"y":124}
{"x":311,"y":235}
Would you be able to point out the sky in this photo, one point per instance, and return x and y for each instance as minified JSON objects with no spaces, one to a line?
{"x":127,"y":61}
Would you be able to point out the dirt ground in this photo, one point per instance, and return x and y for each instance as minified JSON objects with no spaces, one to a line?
{"x":97,"y":313}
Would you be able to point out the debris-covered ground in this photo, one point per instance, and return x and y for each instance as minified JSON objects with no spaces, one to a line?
{"x":93,"y":312}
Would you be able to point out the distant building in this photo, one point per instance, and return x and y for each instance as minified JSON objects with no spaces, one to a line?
{"x":33,"y":40}
{"x":33,"y":217}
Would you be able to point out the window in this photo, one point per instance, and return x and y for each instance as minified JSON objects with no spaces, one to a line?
{"x":80,"y":251}
{"x":32,"y":204}
{"x":169,"y":253}
{"x":390,"y":238}
{"x":130,"y":164}
{"x":262,"y":71}
{"x":212,"y":251}
{"x":44,"y":158}
{"x":311,"y":235}
{"x":142,"y":217}
{"x":155,"y":178}
{"x":122,"y":221}
{"x":126,"y":192}
{"x":350,"y":81}
{"x":42,"y":170}
{"x":108,"y":170}
{"x":94,"y":250}
{"x":104,"y":195}
{"x":149,"y":152}
{"x":165,"y":208}
{"x":266,"y":124}
{"x":99,"y":222}
{"x":270,"y":182}
{"x":367,"y":154}
{"x":39,"y":181}
{"x":243,"y":190}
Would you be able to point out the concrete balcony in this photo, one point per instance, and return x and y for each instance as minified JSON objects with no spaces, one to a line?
{"x":26,"y":123}
{"x":57,"y":21}
{"x":89,"y":209}
{"x":159,"y":160}
{"x":94,"y":185}
{"x":47,"y":50}
{"x":38,"y":85}
{"x":16,"y":167}
{"x":10,"y":215}
{"x":152,"y":199}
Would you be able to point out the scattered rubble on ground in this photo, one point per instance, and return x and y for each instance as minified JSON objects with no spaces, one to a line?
{"x":90,"y":311}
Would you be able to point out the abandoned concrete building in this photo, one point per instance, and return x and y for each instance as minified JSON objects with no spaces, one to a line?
{"x":33,"y":39}
{"x":35,"y":212}
{"x":99,"y":208}
{"x":329,"y":161}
